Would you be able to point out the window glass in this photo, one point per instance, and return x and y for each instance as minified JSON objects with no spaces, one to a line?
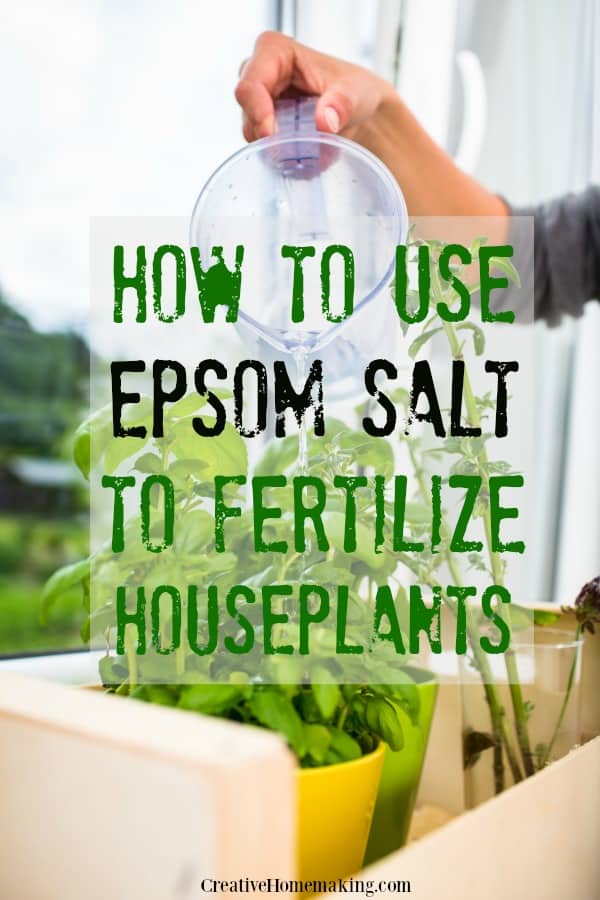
{"x":109,"y":108}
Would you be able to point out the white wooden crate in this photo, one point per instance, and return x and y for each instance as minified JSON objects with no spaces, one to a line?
{"x":104,"y":797}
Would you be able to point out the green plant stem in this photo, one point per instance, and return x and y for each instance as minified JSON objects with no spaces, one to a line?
{"x":343,"y":716}
{"x":497,"y":715}
{"x":131,"y":658}
{"x":180,"y":660}
{"x":546,"y":757}
{"x":514,"y":684}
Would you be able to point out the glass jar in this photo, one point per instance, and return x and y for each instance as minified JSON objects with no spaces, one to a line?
{"x":512,"y":730}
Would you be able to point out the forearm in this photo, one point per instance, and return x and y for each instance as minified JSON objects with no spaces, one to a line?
{"x":431,"y":183}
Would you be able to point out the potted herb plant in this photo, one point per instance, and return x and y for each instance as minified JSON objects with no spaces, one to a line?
{"x":339,"y":729}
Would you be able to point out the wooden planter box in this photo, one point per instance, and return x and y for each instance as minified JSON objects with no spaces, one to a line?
{"x":107,"y":798}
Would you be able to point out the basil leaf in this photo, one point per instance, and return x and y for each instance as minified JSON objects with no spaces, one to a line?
{"x":327,"y":697}
{"x":317,"y":741}
{"x":60,"y":582}
{"x":343,"y":747}
{"x":277,"y":712}
{"x":211,"y":699}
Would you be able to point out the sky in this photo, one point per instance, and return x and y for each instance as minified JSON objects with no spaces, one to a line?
{"x":109,"y":108}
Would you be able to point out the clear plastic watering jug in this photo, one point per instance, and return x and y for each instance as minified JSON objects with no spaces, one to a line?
{"x":301,"y":187}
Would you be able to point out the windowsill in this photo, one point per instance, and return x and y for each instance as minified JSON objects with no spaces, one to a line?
{"x":67,"y":668}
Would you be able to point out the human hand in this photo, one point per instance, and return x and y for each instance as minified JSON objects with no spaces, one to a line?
{"x":348,"y":94}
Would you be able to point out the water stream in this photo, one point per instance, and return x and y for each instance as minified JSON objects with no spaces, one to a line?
{"x":300,"y":356}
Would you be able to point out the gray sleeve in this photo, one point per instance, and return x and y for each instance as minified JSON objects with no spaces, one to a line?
{"x":566,"y":253}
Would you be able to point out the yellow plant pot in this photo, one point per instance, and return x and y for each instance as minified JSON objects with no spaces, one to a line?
{"x":335,"y":807}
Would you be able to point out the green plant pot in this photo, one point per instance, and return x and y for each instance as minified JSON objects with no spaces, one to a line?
{"x":401,"y":775}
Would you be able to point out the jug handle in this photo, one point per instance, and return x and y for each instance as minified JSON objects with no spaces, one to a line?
{"x":301,"y":162}
{"x":296,"y":115}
